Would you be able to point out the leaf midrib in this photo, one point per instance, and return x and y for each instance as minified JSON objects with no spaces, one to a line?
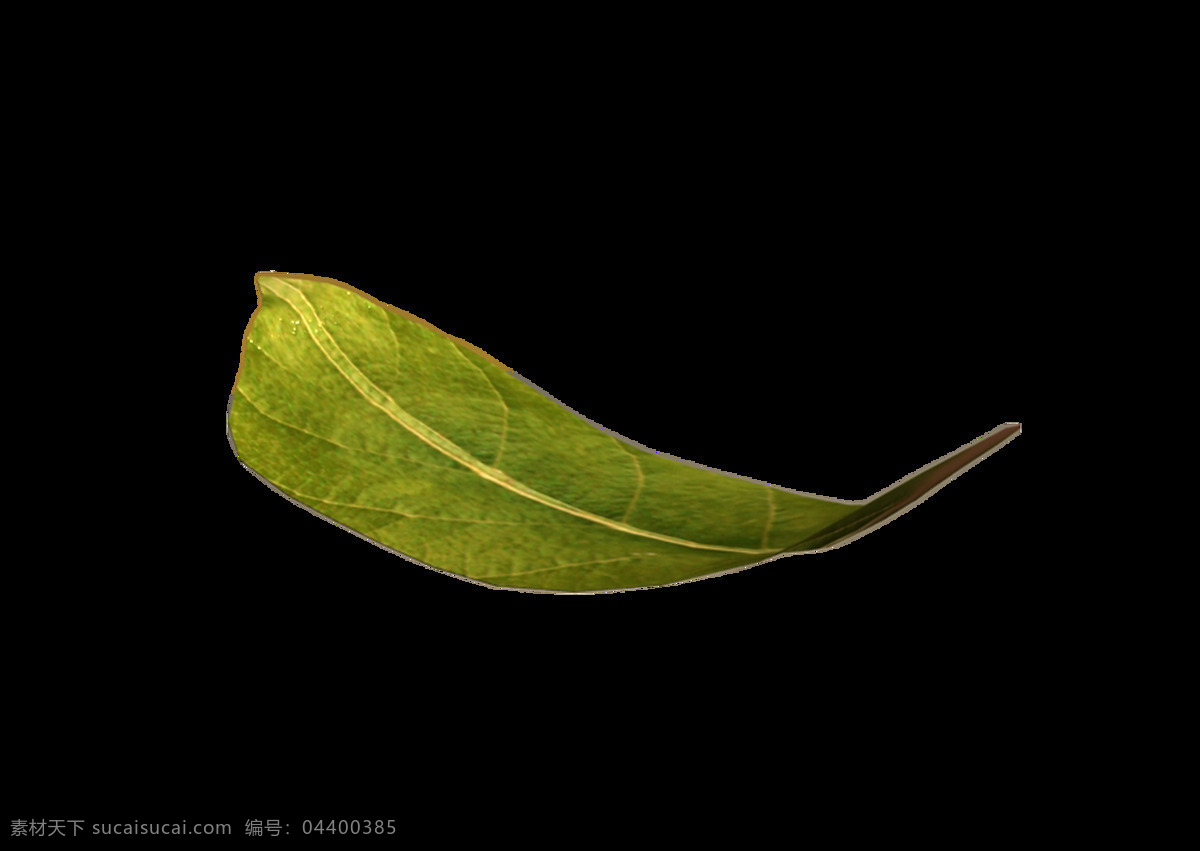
{"x":329,"y":347}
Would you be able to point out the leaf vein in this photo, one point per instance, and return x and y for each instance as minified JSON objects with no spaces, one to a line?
{"x":263,"y":413}
{"x":641,"y":480}
{"x":557,"y":567}
{"x":499,"y":398}
{"x":417,"y":516}
{"x":770,"y":516}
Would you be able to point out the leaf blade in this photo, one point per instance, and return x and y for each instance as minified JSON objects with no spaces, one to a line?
{"x":374,"y":419}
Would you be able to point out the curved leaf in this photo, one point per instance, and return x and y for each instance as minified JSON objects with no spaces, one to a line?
{"x":372,"y":418}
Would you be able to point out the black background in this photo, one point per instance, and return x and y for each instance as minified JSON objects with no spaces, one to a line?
{"x":827,"y":313}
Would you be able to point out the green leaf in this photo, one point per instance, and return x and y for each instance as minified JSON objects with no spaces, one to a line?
{"x":372,"y":418}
